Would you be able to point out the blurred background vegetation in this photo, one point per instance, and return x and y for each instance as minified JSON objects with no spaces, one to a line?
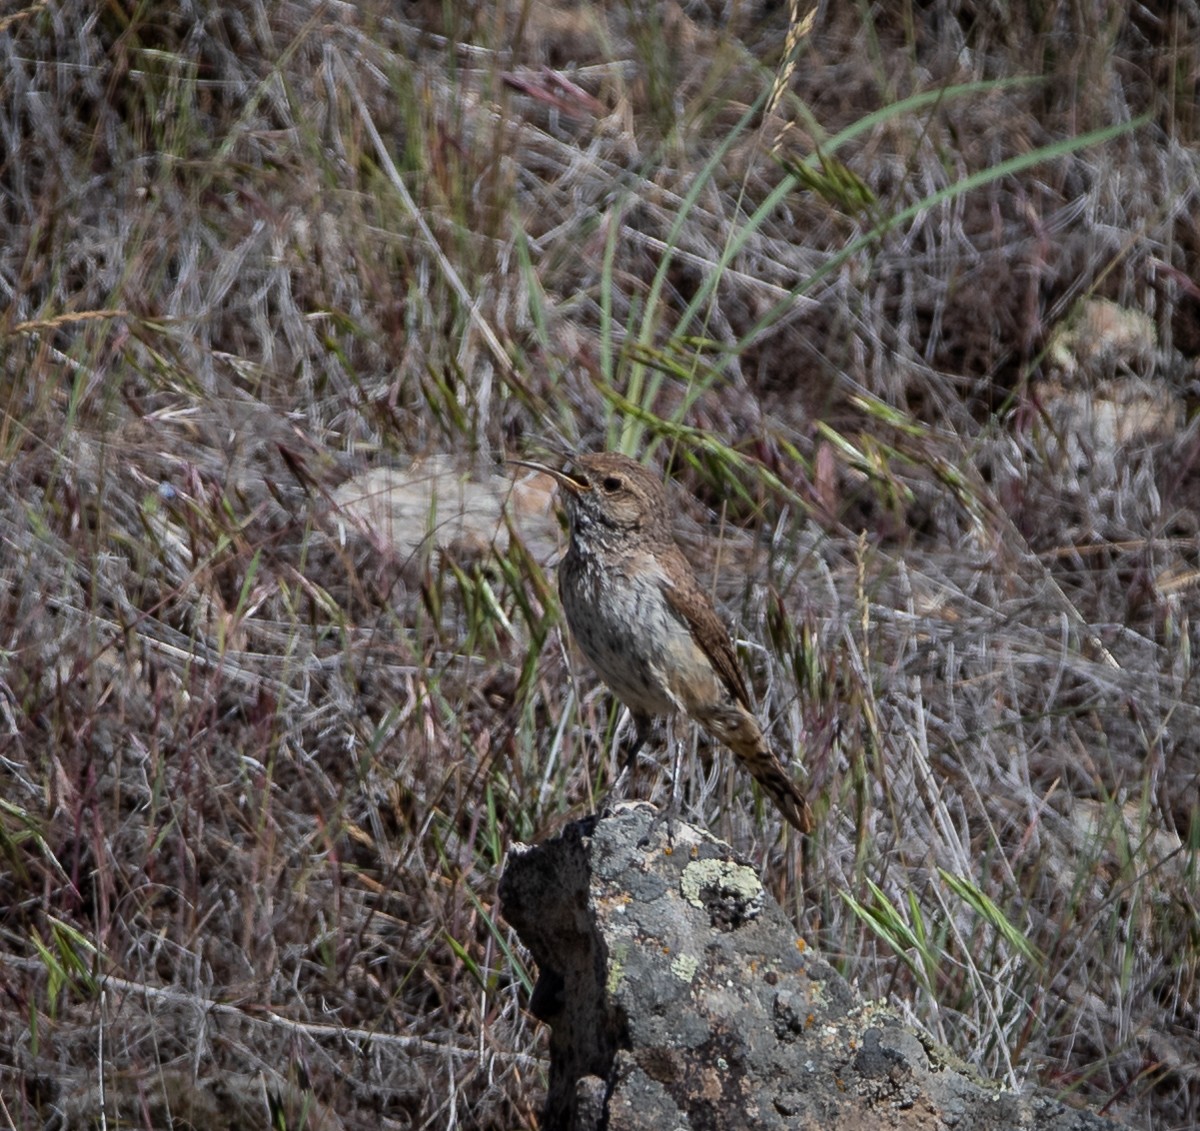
{"x":904,"y":299}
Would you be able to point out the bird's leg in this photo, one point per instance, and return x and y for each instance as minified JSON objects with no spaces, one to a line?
{"x":644,"y":724}
{"x":674,"y":804}
{"x":675,"y":744}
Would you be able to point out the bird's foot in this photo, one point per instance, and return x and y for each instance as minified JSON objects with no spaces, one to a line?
{"x":665,"y":816}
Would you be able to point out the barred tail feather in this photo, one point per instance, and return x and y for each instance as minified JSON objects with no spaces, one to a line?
{"x":765,"y":768}
{"x":739,"y":730}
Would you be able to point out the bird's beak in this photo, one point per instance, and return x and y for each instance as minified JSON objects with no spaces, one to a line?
{"x":560,"y":477}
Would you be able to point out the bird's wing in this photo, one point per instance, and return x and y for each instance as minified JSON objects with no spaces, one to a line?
{"x":693,"y":606}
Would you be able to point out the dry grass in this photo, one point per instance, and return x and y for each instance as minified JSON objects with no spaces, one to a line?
{"x":261,"y":762}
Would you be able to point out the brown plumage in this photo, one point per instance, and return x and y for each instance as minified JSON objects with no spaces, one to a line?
{"x":648,"y":627}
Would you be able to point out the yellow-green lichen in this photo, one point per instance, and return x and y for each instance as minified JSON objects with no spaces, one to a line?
{"x":724,"y":876}
{"x":684,"y":967}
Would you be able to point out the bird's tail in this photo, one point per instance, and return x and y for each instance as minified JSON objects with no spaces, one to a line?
{"x":777,"y":784}
{"x":739,"y":730}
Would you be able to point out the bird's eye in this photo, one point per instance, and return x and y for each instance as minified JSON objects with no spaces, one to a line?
{"x":611,"y":483}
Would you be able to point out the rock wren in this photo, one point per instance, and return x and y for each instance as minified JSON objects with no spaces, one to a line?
{"x":646,"y":624}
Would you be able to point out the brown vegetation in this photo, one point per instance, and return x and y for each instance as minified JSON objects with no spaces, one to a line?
{"x":261,"y":754}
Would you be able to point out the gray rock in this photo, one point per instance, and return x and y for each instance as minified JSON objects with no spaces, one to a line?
{"x":679,"y":996}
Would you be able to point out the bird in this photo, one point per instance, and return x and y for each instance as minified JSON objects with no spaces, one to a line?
{"x":645,"y":623}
